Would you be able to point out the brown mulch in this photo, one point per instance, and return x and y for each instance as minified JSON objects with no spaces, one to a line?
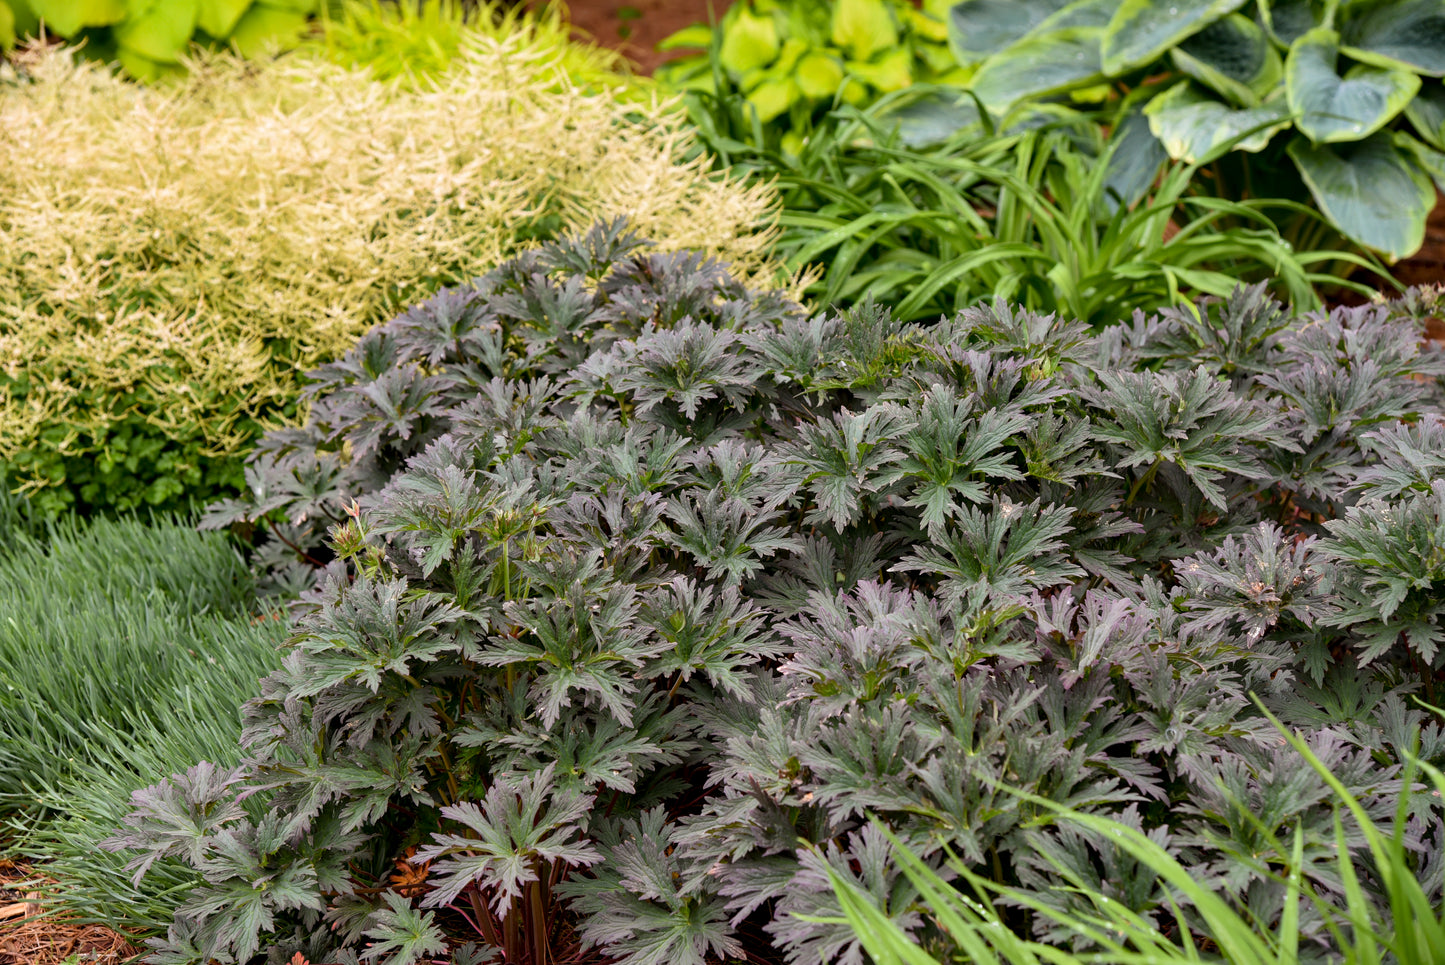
{"x":633,"y":27}
{"x":26,"y":939}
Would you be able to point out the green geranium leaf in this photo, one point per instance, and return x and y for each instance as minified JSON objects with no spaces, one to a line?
{"x":158,"y":29}
{"x":1406,"y":33}
{"x":1234,"y":57}
{"x":219,"y":17}
{"x":863,"y":28}
{"x":978,"y":28}
{"x":1287,"y":20}
{"x":68,"y":17}
{"x":1039,"y":65}
{"x":1328,"y":107}
{"x":1195,"y":127}
{"x":819,"y":75}
{"x":1142,"y":30}
{"x":1427,"y":113}
{"x":264,"y":26}
{"x":1369,"y":190}
{"x":749,"y":42}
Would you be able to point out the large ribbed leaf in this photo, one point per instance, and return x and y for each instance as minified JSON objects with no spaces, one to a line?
{"x":1288,"y":20}
{"x":978,"y":28}
{"x":219,"y":17}
{"x":7,"y":26}
{"x":1046,"y":63}
{"x":158,"y":29}
{"x":1193,"y":125}
{"x":1405,"y":33}
{"x":934,"y":117}
{"x":264,"y":26}
{"x":1431,"y":160}
{"x":1371,"y":192}
{"x":1427,"y":113}
{"x":1233,"y":56}
{"x":1135,"y":162}
{"x":1328,"y":107}
{"x":66,"y":17}
{"x":1142,"y":30}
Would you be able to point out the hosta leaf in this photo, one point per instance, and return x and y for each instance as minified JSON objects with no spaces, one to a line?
{"x":1194,"y":126}
{"x":1142,"y":30}
{"x":66,"y":17}
{"x":1039,"y":65}
{"x":1135,"y":161}
{"x":934,"y":117}
{"x":1234,"y":57}
{"x":7,"y":26}
{"x":1427,"y":157}
{"x":1373,"y":194}
{"x":979,"y":28}
{"x":1288,"y":20}
{"x":893,"y":71}
{"x":863,"y":27}
{"x":1406,"y":33}
{"x":264,"y":26}
{"x":1329,"y":107}
{"x":1427,"y":113}
{"x":749,"y":42}
{"x":819,"y":75}
{"x":219,"y":17}
{"x":158,"y":29}
{"x":773,"y":97}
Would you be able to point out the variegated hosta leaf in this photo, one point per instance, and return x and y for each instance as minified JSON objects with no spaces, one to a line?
{"x":1194,"y":126}
{"x":1371,"y":192}
{"x":1234,"y":57}
{"x":978,"y":28}
{"x":1287,"y":20}
{"x":1142,"y":30}
{"x":1405,"y":33}
{"x":1427,"y":112}
{"x":1328,"y":107}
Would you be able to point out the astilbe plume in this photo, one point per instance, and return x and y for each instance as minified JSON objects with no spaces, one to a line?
{"x":643,"y":592}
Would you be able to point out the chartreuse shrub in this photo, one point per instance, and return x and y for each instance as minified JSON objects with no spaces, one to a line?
{"x":1338,"y":101}
{"x":792,"y":59}
{"x":172,"y":260}
{"x":644,"y":591}
{"x":151,"y":38}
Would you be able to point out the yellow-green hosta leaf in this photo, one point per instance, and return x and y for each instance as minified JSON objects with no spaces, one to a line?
{"x":264,"y":27}
{"x":219,"y":17}
{"x":1142,"y":30}
{"x":1427,"y":113}
{"x":1372,"y":193}
{"x":698,"y":35}
{"x":819,"y":75}
{"x":23,"y":20}
{"x":1195,"y":126}
{"x":1405,"y":33}
{"x":1038,"y":66}
{"x":893,"y":71}
{"x":68,"y":17}
{"x":863,"y":27}
{"x":144,"y":68}
{"x":749,"y":41}
{"x":1328,"y":107}
{"x":1234,"y":57}
{"x":773,"y":97}
{"x":158,"y":29}
{"x":7,"y":26}
{"x":925,"y":25}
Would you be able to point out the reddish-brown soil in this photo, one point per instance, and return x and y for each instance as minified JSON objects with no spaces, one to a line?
{"x":29,"y":940}
{"x":634,"y":27}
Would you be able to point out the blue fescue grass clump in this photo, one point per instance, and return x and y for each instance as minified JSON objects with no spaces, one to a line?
{"x":126,"y":648}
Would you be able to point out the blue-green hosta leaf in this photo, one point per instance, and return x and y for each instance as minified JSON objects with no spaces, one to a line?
{"x":1134,"y":163}
{"x":1194,"y":126}
{"x":1427,"y":113}
{"x":66,"y":17}
{"x":1427,"y":157}
{"x":1234,"y":57}
{"x":219,"y":17}
{"x":1142,"y":30}
{"x":265,"y":26}
{"x":863,"y":27}
{"x":158,"y":29}
{"x":1288,"y":20}
{"x":1405,"y":33}
{"x":979,"y":28}
{"x":1039,"y":65}
{"x":1328,"y":107}
{"x":934,"y":117}
{"x":1371,"y":192}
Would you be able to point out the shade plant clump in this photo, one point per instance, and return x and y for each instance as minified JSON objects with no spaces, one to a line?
{"x":172,"y":261}
{"x":631,"y":594}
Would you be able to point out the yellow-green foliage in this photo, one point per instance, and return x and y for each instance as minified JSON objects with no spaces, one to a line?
{"x":173,"y":260}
